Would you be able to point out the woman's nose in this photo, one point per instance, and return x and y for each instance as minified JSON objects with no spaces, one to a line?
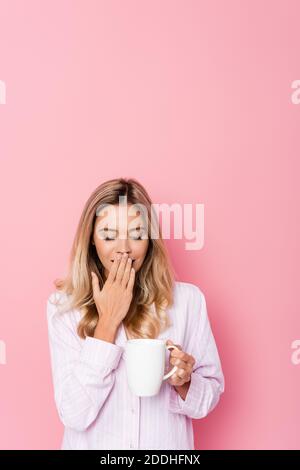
{"x":122,"y":252}
{"x":123,"y":246}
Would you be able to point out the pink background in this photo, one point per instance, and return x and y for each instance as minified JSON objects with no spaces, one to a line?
{"x":192,"y":98}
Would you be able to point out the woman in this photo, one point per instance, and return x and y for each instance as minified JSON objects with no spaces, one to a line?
{"x":121,"y":285}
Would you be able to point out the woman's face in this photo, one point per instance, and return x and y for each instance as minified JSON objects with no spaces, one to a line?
{"x":117,"y":230}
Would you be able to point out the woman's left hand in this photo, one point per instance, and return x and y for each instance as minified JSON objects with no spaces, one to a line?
{"x":184,"y":362}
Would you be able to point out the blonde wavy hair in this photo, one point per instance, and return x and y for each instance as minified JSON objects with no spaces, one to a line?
{"x":154,"y":282}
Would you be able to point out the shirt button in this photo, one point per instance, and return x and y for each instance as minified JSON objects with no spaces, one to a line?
{"x":132,"y":410}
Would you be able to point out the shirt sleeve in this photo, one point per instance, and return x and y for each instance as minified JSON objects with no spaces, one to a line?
{"x":207,"y":379}
{"x":83,"y":372}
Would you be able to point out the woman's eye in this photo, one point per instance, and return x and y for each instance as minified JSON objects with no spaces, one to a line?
{"x":109,"y":239}
{"x":139,"y":235}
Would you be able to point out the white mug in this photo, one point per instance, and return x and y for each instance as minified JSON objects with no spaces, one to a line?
{"x":145,"y":365}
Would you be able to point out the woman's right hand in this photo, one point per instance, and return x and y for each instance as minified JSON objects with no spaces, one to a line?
{"x":114,"y":300}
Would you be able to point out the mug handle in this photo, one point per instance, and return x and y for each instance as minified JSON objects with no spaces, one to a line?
{"x":166,"y":376}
